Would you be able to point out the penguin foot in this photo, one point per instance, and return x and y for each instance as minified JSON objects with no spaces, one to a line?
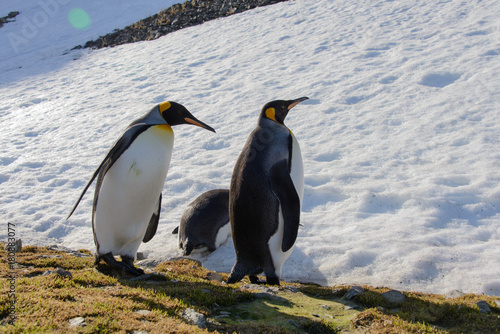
{"x":124,"y":267}
{"x":233,"y":278}
{"x":255,"y":280}
{"x":129,"y":261}
{"x":273,"y":280}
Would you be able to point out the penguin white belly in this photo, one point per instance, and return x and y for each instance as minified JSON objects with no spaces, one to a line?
{"x":222,"y":235}
{"x":130,"y":191}
{"x":279,"y":257}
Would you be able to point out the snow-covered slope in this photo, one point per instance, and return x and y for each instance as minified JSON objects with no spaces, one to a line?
{"x":400,"y":138}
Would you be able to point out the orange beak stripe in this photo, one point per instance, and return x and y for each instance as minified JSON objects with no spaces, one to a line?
{"x":189,"y":120}
{"x":293,"y":105}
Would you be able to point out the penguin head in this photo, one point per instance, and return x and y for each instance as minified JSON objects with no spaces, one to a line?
{"x":277,"y":110}
{"x":174,"y":114}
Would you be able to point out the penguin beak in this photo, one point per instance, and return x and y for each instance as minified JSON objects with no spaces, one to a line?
{"x":293,"y":103}
{"x":194,"y":121}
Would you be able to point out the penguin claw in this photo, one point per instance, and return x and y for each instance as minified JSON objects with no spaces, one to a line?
{"x":124,"y":267}
{"x":255,"y":280}
{"x":273,"y":280}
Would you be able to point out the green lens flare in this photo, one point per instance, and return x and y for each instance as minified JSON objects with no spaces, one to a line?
{"x":79,"y":19}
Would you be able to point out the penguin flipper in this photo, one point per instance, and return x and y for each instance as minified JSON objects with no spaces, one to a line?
{"x":114,"y":153}
{"x":282,"y":186}
{"x":86,"y":187}
{"x":176,"y":230}
{"x":153,"y":223}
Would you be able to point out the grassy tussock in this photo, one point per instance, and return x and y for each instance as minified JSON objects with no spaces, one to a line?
{"x":110,"y":303}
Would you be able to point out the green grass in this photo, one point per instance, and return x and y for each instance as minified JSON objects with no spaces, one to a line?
{"x":110,"y":303}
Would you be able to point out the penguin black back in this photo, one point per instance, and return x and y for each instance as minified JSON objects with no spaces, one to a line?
{"x":265,"y":196}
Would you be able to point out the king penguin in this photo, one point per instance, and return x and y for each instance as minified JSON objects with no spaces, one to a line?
{"x":205,"y":224}
{"x":265,"y":196}
{"x":127,"y":199}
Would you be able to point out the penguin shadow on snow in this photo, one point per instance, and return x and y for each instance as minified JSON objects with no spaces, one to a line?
{"x":300,"y":268}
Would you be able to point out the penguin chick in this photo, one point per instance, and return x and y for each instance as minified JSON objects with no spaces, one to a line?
{"x":265,"y":196}
{"x":127,"y":198}
{"x":205,"y":222}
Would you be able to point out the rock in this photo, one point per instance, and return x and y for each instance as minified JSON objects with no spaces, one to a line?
{"x":176,"y":17}
{"x":497,"y":302}
{"x":148,"y":263}
{"x":293,"y":323}
{"x":351,"y":307}
{"x":141,"y":278}
{"x":59,"y":271}
{"x":484,"y":307}
{"x":140,"y":332}
{"x":78,"y":254}
{"x":143,"y":312}
{"x":64,"y":249}
{"x":292,"y":288}
{"x":63,"y":273}
{"x":8,"y":18}
{"x":326,"y":307}
{"x":262,"y":291}
{"x":454,"y":294}
{"x":77,"y":322}
{"x":140,"y":256}
{"x":213,"y":276}
{"x":270,"y":296}
{"x":353,"y":292}
{"x":258,"y":288}
{"x":195,"y":318}
{"x":394,"y":296}
{"x":16,"y":248}
{"x":60,"y":248}
{"x":18,"y":244}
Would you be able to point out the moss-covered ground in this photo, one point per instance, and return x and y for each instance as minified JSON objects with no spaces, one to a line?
{"x":113,"y":304}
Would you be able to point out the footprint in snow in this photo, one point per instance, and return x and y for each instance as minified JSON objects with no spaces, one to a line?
{"x":355,"y":99}
{"x":495,"y":52}
{"x":388,"y":80}
{"x":477,"y":33}
{"x":327,"y":157}
{"x":439,"y":80}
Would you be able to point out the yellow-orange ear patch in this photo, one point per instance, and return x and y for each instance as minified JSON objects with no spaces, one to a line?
{"x":271,"y":114}
{"x":164,"y":106}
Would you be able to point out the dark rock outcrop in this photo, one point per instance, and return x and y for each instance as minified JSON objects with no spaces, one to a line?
{"x":176,"y":17}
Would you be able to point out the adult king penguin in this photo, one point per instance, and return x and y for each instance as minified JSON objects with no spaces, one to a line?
{"x":265,"y":196}
{"x":127,"y":199}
